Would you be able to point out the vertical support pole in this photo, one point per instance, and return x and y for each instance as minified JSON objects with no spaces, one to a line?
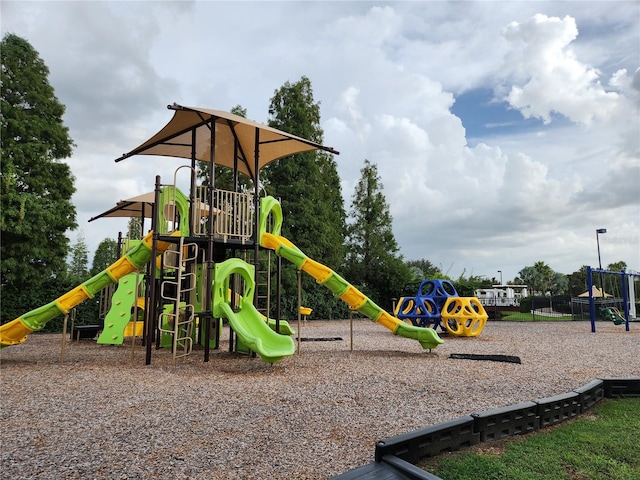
{"x":119,"y":246}
{"x":299,"y":299}
{"x":268,"y":271}
{"x":208,"y":301}
{"x":632,"y":294}
{"x":256,"y":208}
{"x":592,"y":306}
{"x":236,"y":184}
{"x":194,"y":214}
{"x":142,"y":222}
{"x":64,"y":337}
{"x":624,"y":301}
{"x":218,"y":324}
{"x":278,"y":290}
{"x":151,"y":311}
{"x":351,"y":328}
{"x":135,"y":317}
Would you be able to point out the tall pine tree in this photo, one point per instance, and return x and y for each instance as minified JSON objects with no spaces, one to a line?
{"x":308,"y":187}
{"x":35,"y":205}
{"x":373,"y":261}
{"x":79,"y":261}
{"x":224,"y":176}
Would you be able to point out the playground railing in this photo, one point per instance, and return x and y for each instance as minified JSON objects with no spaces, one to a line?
{"x":233,"y":214}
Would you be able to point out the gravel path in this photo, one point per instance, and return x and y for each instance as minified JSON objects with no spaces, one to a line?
{"x":314,"y":415}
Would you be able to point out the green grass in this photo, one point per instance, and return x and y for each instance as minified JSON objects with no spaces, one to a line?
{"x":529,"y":317}
{"x":602,"y":444}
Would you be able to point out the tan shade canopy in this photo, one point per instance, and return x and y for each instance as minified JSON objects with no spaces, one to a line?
{"x":235,"y":140}
{"x":595,"y":293}
{"x":139,"y":206}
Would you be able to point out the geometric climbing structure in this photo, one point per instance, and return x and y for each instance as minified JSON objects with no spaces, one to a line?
{"x":437,"y":304}
{"x":464,"y":316}
{"x":424,"y":309}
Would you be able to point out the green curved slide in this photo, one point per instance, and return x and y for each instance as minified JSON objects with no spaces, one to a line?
{"x":248,"y":324}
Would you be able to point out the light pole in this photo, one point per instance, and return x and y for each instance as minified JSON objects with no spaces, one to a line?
{"x":598,"y":232}
{"x":500,"y":272}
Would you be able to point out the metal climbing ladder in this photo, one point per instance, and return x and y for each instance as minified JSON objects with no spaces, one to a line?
{"x":178,"y":293}
{"x":263,"y":283}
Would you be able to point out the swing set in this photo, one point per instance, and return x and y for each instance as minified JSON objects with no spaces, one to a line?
{"x":620,"y":305}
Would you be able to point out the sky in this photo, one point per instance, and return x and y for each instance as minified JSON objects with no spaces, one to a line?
{"x":504,"y":132}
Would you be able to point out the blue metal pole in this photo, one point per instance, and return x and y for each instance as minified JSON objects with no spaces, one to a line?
{"x":624,"y":301}
{"x":592,"y":306}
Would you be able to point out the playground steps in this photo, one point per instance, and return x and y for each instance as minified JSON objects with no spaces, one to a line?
{"x":177,"y":320}
{"x":263,"y":282}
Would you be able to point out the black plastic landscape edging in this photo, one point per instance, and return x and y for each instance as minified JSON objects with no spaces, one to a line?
{"x":395,"y":457}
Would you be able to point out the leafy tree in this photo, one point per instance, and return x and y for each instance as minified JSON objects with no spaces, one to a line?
{"x":16,"y":302}
{"x":617,"y":266}
{"x":420,"y":270}
{"x":424,"y":268}
{"x":105,"y":255}
{"x":577,"y":281}
{"x":35,"y":204}
{"x":373,"y":261}
{"x":308,"y":186}
{"x":541,"y":278}
{"x":560,"y":284}
{"x":467,"y":286}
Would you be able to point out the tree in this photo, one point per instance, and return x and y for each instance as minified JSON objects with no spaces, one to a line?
{"x":559,"y":284}
{"x":617,"y":266}
{"x":541,"y":278}
{"x":467,"y":286}
{"x":577,"y":281}
{"x":35,"y":204}
{"x":134,"y":228}
{"x":224,"y":175}
{"x":425,"y":269}
{"x":373,"y":261}
{"x":308,"y":186}
{"x":87,"y":312}
{"x":105,"y":255}
{"x":78,"y":267}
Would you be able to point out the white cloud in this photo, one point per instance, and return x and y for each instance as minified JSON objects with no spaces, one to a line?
{"x":387,"y":76}
{"x":548,"y":76}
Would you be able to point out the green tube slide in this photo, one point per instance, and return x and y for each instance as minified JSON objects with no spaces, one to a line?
{"x":16,"y":331}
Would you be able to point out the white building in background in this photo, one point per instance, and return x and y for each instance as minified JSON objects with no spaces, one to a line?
{"x":502,"y":295}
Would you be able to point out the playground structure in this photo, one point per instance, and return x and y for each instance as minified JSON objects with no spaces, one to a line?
{"x":437,"y":304}
{"x":200,"y":260}
{"x":618,"y":309}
